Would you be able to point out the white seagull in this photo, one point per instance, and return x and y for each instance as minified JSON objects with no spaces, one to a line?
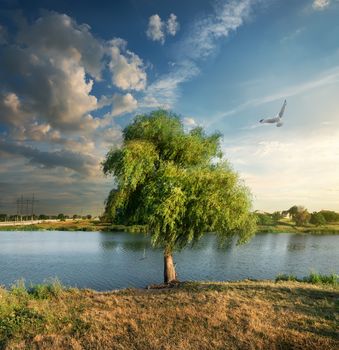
{"x":276,"y":119}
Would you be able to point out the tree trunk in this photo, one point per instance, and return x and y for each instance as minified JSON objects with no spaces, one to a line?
{"x":169,"y":268}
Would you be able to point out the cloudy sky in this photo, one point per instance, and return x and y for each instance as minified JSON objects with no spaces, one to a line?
{"x":73,"y":74}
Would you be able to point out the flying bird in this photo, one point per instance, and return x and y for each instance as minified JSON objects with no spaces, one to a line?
{"x":276,"y":119}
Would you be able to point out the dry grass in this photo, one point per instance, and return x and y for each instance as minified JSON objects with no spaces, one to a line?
{"x":76,"y":225}
{"x":235,"y":315}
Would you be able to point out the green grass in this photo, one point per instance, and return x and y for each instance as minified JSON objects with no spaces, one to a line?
{"x":288,"y":226}
{"x":313,"y":278}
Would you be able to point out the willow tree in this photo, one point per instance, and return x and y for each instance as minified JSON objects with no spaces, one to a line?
{"x":177,"y":184}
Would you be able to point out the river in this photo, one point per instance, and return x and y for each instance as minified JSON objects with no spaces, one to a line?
{"x":105,"y":261}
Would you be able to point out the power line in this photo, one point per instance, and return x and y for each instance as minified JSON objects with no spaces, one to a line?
{"x":25,"y":206}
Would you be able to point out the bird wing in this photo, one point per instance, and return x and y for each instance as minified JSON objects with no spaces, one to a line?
{"x":282,"y":109}
{"x":270,"y":120}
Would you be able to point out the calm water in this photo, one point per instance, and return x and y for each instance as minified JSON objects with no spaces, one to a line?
{"x":104,"y":261}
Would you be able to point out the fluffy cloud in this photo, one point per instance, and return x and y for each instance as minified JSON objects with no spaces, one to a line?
{"x":123,"y":104}
{"x":128,"y":71}
{"x":157,"y":28}
{"x":48,"y":107}
{"x":52,"y":139}
{"x":51,"y":57}
{"x":320,"y":4}
{"x":50,"y":88}
{"x":59,"y":35}
{"x":172,"y":25}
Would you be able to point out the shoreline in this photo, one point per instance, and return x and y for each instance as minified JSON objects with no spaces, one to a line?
{"x":91,"y":226}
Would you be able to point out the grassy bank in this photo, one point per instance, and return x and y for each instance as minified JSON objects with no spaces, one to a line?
{"x":237,"y":315}
{"x":288,"y":226}
{"x":75,"y":225}
{"x":88,"y":225}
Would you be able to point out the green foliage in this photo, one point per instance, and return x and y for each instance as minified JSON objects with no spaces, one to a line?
{"x":61,"y":217}
{"x":294,"y":210}
{"x":19,"y":322}
{"x":286,"y":277}
{"x":330,"y":216}
{"x":172,"y":181}
{"x":264,"y":219}
{"x":16,"y":318}
{"x":267,"y":219}
{"x":45,"y":291}
{"x":277,"y":215}
{"x":52,"y":288}
{"x":43,"y":308}
{"x":19,"y":289}
{"x":299,"y":215}
{"x":301,"y":218}
{"x":317,"y":219}
{"x":314,"y":278}
{"x":317,"y":278}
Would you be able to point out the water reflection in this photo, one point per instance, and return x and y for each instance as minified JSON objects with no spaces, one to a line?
{"x":297,"y":242}
{"x":108,"y":245}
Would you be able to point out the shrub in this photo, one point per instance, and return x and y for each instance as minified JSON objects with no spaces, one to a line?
{"x":45,"y":291}
{"x":317,"y":219}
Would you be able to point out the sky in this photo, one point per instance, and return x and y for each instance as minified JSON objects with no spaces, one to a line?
{"x":74,"y":74}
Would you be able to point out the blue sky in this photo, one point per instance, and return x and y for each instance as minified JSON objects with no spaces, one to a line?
{"x":74,"y":74}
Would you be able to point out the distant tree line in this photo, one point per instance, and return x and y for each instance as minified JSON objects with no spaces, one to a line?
{"x":10,"y":217}
{"x":300,"y":215}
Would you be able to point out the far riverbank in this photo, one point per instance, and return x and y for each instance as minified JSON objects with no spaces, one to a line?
{"x":91,"y":225}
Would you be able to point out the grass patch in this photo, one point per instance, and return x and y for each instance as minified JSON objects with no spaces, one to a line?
{"x":314,"y":278}
{"x":288,"y":226}
{"x":26,"y":314}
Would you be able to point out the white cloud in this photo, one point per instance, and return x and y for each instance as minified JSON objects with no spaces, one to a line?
{"x":59,"y":36}
{"x":123,"y":104}
{"x":49,"y":110}
{"x":189,"y":122}
{"x":203,"y":37}
{"x":173,"y":25}
{"x":163,"y":92}
{"x":128,"y":71}
{"x":157,"y":28}
{"x":320,"y":4}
